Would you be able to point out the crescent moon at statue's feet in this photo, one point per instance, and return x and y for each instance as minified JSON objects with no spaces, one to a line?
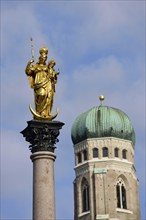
{"x":39,"y":117}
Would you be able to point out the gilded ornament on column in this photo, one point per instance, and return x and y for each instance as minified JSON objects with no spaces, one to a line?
{"x":42,"y":78}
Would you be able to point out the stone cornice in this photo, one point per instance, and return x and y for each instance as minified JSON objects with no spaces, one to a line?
{"x":107,"y":160}
{"x":106,"y":165}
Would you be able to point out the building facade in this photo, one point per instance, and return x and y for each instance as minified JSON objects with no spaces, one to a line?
{"x":105,"y":185}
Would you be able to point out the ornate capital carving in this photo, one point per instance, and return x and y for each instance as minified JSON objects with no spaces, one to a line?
{"x":42,"y":135}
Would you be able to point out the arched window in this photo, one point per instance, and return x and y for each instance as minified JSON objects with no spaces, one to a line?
{"x":121,"y":194}
{"x":116,"y":152}
{"x":85,"y":195}
{"x":105,"y":152}
{"x":95,"y":152}
{"x":124,"y":154}
{"x":85,"y":154}
{"x":79,"y":157}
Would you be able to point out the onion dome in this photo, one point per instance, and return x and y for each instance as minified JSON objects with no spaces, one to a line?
{"x":102,"y":121}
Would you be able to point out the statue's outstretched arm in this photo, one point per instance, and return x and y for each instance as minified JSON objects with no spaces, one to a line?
{"x":29,"y":68}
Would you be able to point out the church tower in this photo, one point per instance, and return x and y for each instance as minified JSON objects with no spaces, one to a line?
{"x":105,"y":185}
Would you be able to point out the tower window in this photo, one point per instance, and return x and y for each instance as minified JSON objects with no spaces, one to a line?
{"x":85,"y":154}
{"x":124,"y":154}
{"x":79,"y":157}
{"x":116,"y":152}
{"x":85,"y":195}
{"x":121,"y":194}
{"x":124,"y":198}
{"x":118,"y":196}
{"x":105,"y":152}
{"x":95,"y":152}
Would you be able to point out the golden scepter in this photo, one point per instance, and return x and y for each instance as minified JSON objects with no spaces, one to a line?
{"x":32,"y":49}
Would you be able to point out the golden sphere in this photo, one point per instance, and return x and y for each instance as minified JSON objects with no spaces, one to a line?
{"x":101,"y":97}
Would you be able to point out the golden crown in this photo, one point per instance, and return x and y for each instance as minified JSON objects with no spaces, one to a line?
{"x":43,"y":50}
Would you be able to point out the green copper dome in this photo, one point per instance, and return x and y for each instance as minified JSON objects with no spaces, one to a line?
{"x":102,"y":121}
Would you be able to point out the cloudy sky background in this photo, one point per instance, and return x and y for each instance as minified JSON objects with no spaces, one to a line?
{"x":99,"y":47}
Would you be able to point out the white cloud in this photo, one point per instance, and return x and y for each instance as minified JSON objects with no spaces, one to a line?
{"x":103,"y":71}
{"x":98,"y":25}
{"x":16,"y":165}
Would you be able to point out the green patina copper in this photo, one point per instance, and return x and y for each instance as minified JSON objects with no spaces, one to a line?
{"x":102,"y":121}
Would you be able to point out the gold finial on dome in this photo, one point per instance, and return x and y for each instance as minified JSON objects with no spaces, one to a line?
{"x":101,"y":98}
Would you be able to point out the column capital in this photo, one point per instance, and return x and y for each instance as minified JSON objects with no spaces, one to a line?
{"x":42,"y":135}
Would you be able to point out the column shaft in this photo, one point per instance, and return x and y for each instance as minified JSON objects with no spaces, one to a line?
{"x":43,"y":185}
{"x":42,"y":136}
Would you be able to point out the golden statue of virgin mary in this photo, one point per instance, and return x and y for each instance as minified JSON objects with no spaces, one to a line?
{"x":42,"y":78}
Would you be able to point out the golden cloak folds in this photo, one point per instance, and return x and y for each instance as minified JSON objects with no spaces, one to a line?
{"x":42,"y":78}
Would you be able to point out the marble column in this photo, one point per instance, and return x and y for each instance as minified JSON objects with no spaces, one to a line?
{"x":42,"y":136}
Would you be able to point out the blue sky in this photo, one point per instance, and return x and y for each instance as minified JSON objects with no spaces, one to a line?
{"x":99,"y":47}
